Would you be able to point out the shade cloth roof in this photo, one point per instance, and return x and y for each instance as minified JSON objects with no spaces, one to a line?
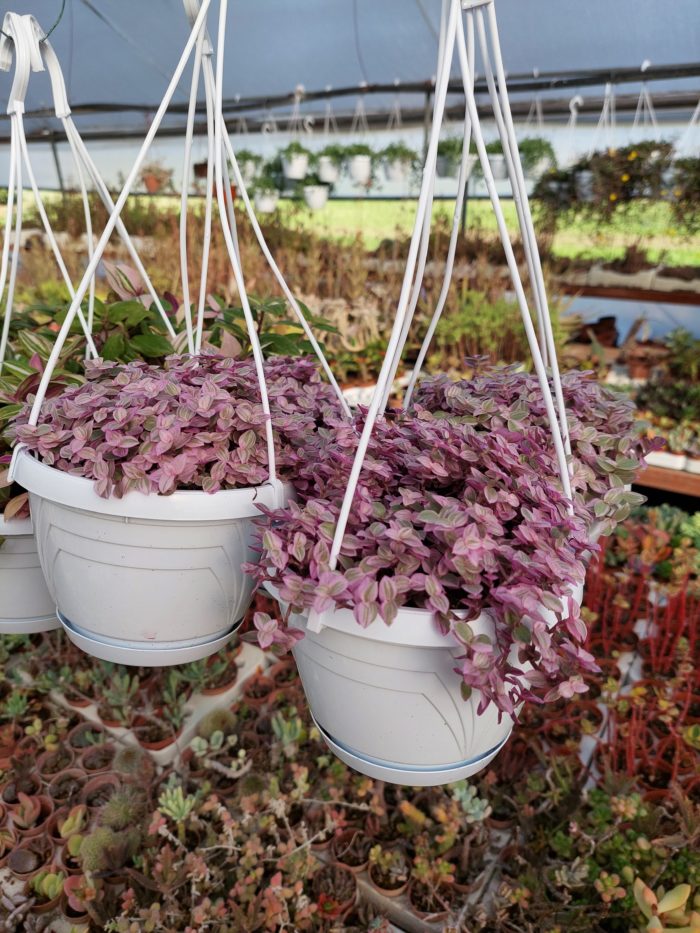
{"x":122,"y":52}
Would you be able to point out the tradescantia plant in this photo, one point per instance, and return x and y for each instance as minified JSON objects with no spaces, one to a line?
{"x":608,"y":443}
{"x":447,"y":518}
{"x":196,"y":423}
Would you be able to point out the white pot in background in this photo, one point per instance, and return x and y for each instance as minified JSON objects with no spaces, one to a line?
{"x":248,"y":170}
{"x":497,"y":161}
{"x":316,"y":196}
{"x":446,"y":167}
{"x":328,"y":171}
{"x":295,"y":167}
{"x":669,"y":461}
{"x":539,"y":168}
{"x":584,"y":186}
{"x":266,"y":202}
{"x":26,"y":606}
{"x":147,"y":579}
{"x":397,"y":171}
{"x":360,"y":169}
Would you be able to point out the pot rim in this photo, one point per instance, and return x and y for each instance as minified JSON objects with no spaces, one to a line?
{"x":20,"y":528}
{"x":183,"y":506}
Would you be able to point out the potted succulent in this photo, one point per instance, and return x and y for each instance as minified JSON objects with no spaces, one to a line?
{"x":295,"y":161}
{"x":449,"y":156}
{"x":156,"y":177}
{"x":265,"y":188}
{"x":315,"y":192}
{"x":497,"y":160}
{"x":47,"y":888}
{"x":389,"y":870}
{"x":418,"y":587}
{"x":329,"y":163}
{"x":168,"y":465}
{"x":249,"y":163}
{"x":359,"y":159}
{"x":398,"y":161}
{"x":537,"y":156}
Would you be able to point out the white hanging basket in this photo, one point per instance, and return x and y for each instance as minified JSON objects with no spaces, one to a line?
{"x":328,"y":171}
{"x":145,"y":579}
{"x":499,"y":167}
{"x":360,"y":169}
{"x":397,"y":171}
{"x":296,"y":167}
{"x":249,"y":170}
{"x":316,"y":196}
{"x":26,"y":605}
{"x":266,"y":202}
{"x":387,"y":701}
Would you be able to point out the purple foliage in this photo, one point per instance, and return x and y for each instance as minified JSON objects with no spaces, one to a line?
{"x":449,"y":518}
{"x":194,"y":424}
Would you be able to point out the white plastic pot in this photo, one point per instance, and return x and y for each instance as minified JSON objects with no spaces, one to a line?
{"x":397,"y":171}
{"x":537,"y":170}
{"x":248,"y":170}
{"x":584,"y":186}
{"x":446,"y":167}
{"x":669,"y":461}
{"x":360,"y":169}
{"x":147,"y":579}
{"x":316,"y":196}
{"x":388,"y":702}
{"x":26,"y":605}
{"x":295,"y":167}
{"x":328,"y":171}
{"x":692,"y":464}
{"x":497,"y":161}
{"x":266,"y":202}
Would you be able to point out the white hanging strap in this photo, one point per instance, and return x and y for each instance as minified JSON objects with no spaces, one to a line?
{"x":395,"y":121}
{"x":113,"y":219}
{"x":83,"y":160}
{"x":645,"y":114}
{"x":685,"y":145}
{"x":296,"y":123}
{"x":535,"y":115}
{"x":605,"y":130}
{"x":359,"y":121}
{"x":453,"y":32}
{"x":330,"y":124}
{"x":25,"y":33}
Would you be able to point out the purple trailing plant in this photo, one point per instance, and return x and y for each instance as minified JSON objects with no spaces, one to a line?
{"x":196,"y":423}
{"x":447,"y":518}
{"x":608,"y":443}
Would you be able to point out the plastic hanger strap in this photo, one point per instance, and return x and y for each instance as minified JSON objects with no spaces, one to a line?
{"x":24,"y":48}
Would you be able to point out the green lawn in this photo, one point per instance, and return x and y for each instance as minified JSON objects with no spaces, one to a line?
{"x":649,"y":226}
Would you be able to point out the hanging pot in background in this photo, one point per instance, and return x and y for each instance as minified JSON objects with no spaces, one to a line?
{"x":25,"y":603}
{"x":266,"y":201}
{"x":146,"y":579}
{"x":360,"y":169}
{"x":328,"y":171}
{"x":316,"y":196}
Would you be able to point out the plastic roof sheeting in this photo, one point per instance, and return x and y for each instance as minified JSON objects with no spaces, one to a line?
{"x":122,"y":52}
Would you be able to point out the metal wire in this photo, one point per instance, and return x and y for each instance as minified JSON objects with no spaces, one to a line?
{"x":60,"y":17}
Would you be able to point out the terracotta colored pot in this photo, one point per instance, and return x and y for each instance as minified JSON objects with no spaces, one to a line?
{"x":98,"y":758}
{"x":158,"y":745}
{"x":45,"y":813}
{"x":58,"y":794}
{"x":11,"y":845}
{"x":46,"y":760}
{"x":343,"y":906}
{"x":258,"y":684}
{"x":224,"y":688}
{"x":341,"y":843}
{"x":388,"y":892}
{"x":40,"y":848}
{"x":152,"y":183}
{"x":101,"y":785}
{"x":436,"y":916}
{"x":75,"y":740}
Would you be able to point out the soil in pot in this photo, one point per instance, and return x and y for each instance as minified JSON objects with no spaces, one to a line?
{"x":154,"y":735}
{"x":351,"y":848}
{"x":51,"y":763}
{"x":46,"y":808}
{"x":257,"y":690}
{"x":391,"y":883}
{"x":335,"y":889}
{"x":284,"y":673}
{"x":65,"y":787}
{"x":84,"y":735}
{"x":30,"y":857}
{"x":98,"y":790}
{"x":223,"y":682}
{"x":430,"y":903}
{"x":98,"y":758}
